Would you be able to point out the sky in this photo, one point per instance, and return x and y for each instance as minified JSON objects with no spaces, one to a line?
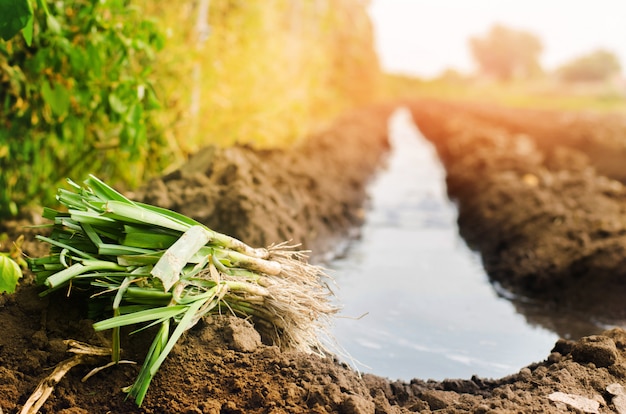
{"x":425,"y":37}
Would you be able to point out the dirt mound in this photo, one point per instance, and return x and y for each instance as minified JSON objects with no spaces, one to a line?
{"x":224,"y":368}
{"x":548,"y":224}
{"x":314,"y":194}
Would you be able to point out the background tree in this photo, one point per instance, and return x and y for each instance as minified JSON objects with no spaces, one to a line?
{"x":506,"y":53}
{"x":599,"y":65}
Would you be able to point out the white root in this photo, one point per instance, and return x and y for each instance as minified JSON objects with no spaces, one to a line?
{"x":103,"y":367}
{"x":299,"y":301}
{"x":84,"y":354}
{"x":46,"y":386}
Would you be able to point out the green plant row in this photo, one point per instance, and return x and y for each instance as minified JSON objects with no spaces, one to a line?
{"x":76,"y":95}
{"x":79,"y":91}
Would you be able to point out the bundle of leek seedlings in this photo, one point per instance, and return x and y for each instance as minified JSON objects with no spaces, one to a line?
{"x":155,"y":267}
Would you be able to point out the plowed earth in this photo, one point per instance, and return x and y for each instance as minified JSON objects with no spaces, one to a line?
{"x":539,"y":196}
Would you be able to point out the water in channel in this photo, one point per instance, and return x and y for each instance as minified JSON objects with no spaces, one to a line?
{"x":430,"y":311}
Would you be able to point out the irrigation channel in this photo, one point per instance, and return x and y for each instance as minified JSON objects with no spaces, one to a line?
{"x":429,"y":309}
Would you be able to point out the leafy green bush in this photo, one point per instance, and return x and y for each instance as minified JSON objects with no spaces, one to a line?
{"x":77,"y":100}
{"x":76,"y":95}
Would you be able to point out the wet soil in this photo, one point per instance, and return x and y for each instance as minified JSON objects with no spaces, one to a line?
{"x":547,"y":219}
{"x":541,"y":196}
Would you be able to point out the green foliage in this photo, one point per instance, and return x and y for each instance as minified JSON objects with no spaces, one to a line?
{"x":10,"y":274}
{"x":16,"y":15}
{"x":507,"y":53}
{"x":599,"y":65}
{"x":11,"y":264}
{"x":79,"y":99}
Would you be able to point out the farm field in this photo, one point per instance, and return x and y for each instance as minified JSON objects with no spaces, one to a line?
{"x":540,"y":196}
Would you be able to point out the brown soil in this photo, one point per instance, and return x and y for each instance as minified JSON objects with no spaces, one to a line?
{"x":546,"y":214}
{"x":541,"y":196}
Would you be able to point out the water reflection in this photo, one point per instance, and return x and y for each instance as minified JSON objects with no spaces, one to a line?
{"x":563,"y":319}
{"x":431,"y":312}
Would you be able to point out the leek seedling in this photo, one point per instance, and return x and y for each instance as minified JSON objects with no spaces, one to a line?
{"x":161,"y":268}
